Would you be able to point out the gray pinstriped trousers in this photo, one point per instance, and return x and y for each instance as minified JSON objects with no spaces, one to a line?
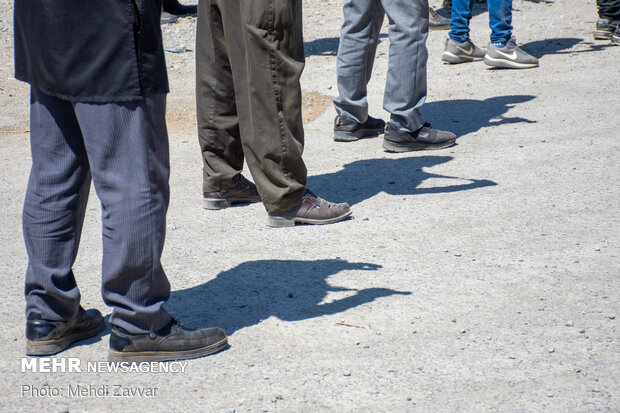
{"x":405,"y":85}
{"x":123,"y":148}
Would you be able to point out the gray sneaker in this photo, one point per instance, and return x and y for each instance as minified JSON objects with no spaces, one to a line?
{"x":509,"y":57}
{"x":456,"y":52}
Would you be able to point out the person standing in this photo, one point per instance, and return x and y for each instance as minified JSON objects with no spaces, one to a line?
{"x":97,"y":113}
{"x":249,"y":60}
{"x":405,"y":89}
{"x":502,"y":51}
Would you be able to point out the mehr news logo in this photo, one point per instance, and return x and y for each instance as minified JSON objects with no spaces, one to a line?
{"x":75,"y":365}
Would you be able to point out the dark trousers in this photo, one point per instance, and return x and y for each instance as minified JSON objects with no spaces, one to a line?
{"x":249,"y":59}
{"x":608,"y":9}
{"x":123,"y":148}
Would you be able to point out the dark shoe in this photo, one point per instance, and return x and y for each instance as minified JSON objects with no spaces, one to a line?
{"x":456,"y":52}
{"x":437,"y":21}
{"x":605,"y":29}
{"x":348,"y":130}
{"x":425,"y":138}
{"x":242,"y":192}
{"x":175,"y":8}
{"x":44,"y":337}
{"x":167,"y":18}
{"x":615,"y":39}
{"x":510,"y":56}
{"x":313,"y":210}
{"x":173,"y":342}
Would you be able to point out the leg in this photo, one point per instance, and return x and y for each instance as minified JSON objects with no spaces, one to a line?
{"x":356,"y":54}
{"x":461,"y":15}
{"x":127,"y":146}
{"x":267,"y":62}
{"x":218,"y":123}
{"x":500,"y":20}
{"x":54,"y":208}
{"x":405,"y":89}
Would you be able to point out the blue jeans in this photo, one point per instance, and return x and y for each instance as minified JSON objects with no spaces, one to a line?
{"x":500,"y":19}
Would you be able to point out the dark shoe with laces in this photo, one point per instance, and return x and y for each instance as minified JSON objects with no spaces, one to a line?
{"x":605,"y":29}
{"x":45,"y":337}
{"x":436,"y":21}
{"x":314,"y":211}
{"x":173,"y":342}
{"x":242,"y":192}
{"x":177,"y":9}
{"x":348,"y":130}
{"x":425,"y":138}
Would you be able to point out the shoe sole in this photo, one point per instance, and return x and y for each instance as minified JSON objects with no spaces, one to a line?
{"x":439,"y":27}
{"x":615,"y":40}
{"x":452,"y":59}
{"x":416,"y":146}
{"x":340,"y":136}
{"x":601,"y":35}
{"x":51,"y":347}
{"x":214,"y":204}
{"x":280,"y":222}
{"x":149,"y":356}
{"x":507,"y":64}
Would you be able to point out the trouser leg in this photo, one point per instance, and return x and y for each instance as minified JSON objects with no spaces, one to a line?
{"x":608,"y":9}
{"x":459,"y":21}
{"x":54,"y":207}
{"x":127,"y":146}
{"x":405,"y":88}
{"x":218,"y":123}
{"x":359,"y":37}
{"x":265,"y":43}
{"x":500,"y":20}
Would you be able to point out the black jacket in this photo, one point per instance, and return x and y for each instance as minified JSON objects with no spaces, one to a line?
{"x":90,"y":50}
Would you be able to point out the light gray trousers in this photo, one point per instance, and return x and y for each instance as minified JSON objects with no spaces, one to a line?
{"x":405,"y":86}
{"x":123,"y":148}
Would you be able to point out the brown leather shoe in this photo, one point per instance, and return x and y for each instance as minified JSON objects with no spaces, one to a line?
{"x":44,"y":337}
{"x":173,"y":342}
{"x":242,"y":192}
{"x":313,"y":210}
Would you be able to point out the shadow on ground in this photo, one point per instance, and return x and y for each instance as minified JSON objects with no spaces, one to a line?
{"x":463,"y":116}
{"x":256,"y":290}
{"x":563,"y":45}
{"x":361,"y":180}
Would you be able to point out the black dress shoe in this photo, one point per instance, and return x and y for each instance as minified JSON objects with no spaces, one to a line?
{"x":45,"y":337}
{"x":173,"y":342}
{"x":175,"y":8}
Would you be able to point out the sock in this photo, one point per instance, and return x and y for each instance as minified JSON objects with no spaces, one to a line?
{"x":499,"y":44}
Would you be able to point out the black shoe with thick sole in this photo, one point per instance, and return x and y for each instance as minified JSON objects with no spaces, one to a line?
{"x":45,"y":337}
{"x":424,"y":139}
{"x":605,"y":29}
{"x":173,"y":342}
{"x":348,"y":130}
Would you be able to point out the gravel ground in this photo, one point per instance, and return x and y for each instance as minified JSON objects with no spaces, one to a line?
{"x":483,"y":277}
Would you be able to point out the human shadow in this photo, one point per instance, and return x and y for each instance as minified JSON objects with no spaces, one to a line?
{"x":463,"y":116}
{"x":363,"y":179}
{"x":290,"y":290}
{"x":561,"y":45}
